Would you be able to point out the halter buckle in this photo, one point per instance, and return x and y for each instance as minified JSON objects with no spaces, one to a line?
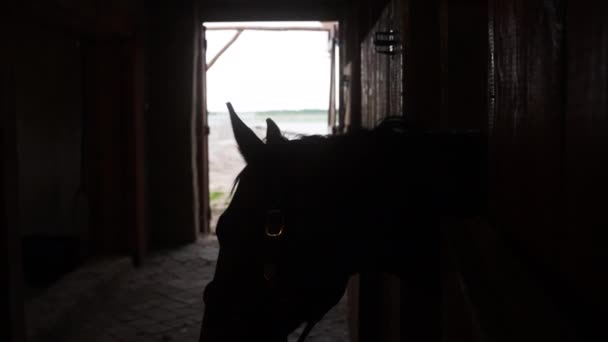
{"x":275,"y":223}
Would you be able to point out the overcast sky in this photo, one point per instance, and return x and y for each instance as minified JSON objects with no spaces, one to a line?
{"x":266,"y":70}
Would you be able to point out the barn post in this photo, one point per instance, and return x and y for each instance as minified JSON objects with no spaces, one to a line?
{"x":464,"y":36}
{"x":332,"y":81}
{"x":138,"y":71}
{"x":12,"y":326}
{"x":11,"y":303}
{"x":170,"y":136}
{"x":585,"y":149}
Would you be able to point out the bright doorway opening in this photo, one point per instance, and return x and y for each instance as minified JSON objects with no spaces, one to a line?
{"x":286,"y":71}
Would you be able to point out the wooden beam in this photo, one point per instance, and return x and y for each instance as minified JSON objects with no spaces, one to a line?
{"x":241,"y":28}
{"x":81,"y":20}
{"x":265,"y":28}
{"x":313,"y":10}
{"x":11,"y":296}
{"x":332,"y":85}
{"x":219,"y":54}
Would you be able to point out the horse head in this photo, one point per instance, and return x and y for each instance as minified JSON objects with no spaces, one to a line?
{"x":310,"y":212}
{"x":268,"y":279}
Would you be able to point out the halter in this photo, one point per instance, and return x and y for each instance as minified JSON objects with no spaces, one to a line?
{"x":274,"y":230}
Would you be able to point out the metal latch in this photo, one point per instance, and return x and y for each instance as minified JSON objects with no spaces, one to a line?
{"x":387,"y":42}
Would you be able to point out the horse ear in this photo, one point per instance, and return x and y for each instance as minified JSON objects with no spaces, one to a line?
{"x":250,"y":145}
{"x":273,"y":133}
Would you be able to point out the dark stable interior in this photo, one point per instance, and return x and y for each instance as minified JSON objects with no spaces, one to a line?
{"x":103,"y":134}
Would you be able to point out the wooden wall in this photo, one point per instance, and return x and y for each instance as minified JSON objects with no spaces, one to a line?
{"x":381,"y":96}
{"x":531,"y":268}
{"x":585,"y":142}
{"x":79,"y":145}
{"x":382,"y":74}
{"x":172,"y":35}
{"x":464,"y":94}
{"x":271,"y":10}
{"x":532,"y":76}
{"x":104,"y":71}
{"x":108,"y":179}
{"x":11,"y":292}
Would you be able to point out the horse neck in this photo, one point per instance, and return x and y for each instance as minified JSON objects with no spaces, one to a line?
{"x":395,"y":193}
{"x":371,"y":191}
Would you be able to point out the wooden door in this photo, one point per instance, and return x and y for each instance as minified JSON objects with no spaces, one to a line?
{"x":11,"y":297}
{"x":202,"y":135}
{"x":107,"y":158}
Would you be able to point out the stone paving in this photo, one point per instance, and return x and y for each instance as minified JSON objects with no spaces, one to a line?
{"x":49,"y":313}
{"x":162,"y":301}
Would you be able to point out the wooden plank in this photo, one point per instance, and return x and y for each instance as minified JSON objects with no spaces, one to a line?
{"x":271,"y":11}
{"x":528,"y":119}
{"x":464,"y":73}
{"x":422,"y":62}
{"x":422,"y":89}
{"x":464,"y":60}
{"x":527,"y":136}
{"x":138,"y":72}
{"x":343,"y":80}
{"x":395,"y":71}
{"x":171,"y":192}
{"x":267,"y":28}
{"x":353,"y":296}
{"x":11,"y":301}
{"x":134,"y":156}
{"x":508,"y":301}
{"x":203,"y":137}
{"x":84,"y":18}
{"x":352,"y":25}
{"x":331,"y":119}
{"x":109,"y":115}
{"x":381,"y":74}
{"x":582,"y":249}
{"x":460,"y":321}
{"x":223,"y":49}
{"x":381,"y":96}
{"x":11,"y":296}
{"x":520,"y":290}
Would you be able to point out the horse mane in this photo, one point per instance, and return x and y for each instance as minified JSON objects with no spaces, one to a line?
{"x":448,"y":165}
{"x":393,"y":126}
{"x":388,"y":127}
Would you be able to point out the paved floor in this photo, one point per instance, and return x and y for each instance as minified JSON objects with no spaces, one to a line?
{"x":162,"y":301}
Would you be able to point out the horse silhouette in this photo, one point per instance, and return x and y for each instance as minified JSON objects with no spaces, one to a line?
{"x":310,"y":212}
